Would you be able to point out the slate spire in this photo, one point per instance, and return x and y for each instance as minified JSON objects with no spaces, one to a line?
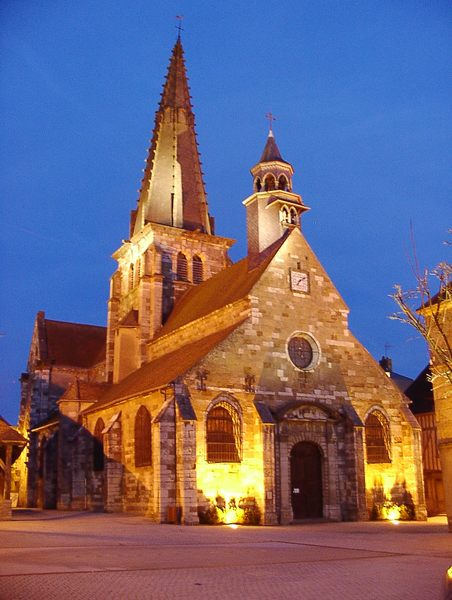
{"x":271,"y":151}
{"x":172,"y":189}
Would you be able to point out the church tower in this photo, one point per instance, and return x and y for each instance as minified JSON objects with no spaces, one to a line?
{"x":172,"y":245}
{"x":273,"y":208}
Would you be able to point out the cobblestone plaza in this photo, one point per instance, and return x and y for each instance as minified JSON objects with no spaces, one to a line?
{"x":54,"y":555}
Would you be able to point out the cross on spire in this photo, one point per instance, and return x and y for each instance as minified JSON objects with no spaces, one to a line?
{"x":179,"y":24}
{"x":270,"y":117}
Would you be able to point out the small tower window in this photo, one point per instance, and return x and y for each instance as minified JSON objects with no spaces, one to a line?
{"x":284,"y":215}
{"x":143,"y":439}
{"x":377,"y":438}
{"x":293,"y":216}
{"x":282,"y":182}
{"x":258,"y":184}
{"x":182,"y":270}
{"x":270,"y":183}
{"x":197,"y":270}
{"x":98,"y":446}
{"x":223,"y":434}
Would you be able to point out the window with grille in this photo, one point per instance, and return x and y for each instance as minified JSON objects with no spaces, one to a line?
{"x":377,"y":438}
{"x":182,"y":271}
{"x":143,"y":439}
{"x":98,"y":446}
{"x":197,"y":270}
{"x":137,"y":271}
{"x":223,"y":434}
{"x":131,"y":277}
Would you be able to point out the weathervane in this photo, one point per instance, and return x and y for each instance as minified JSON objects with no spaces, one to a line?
{"x":179,"y":25}
{"x":270,"y":117}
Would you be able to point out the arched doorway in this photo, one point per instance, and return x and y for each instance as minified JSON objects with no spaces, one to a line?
{"x":306,"y":481}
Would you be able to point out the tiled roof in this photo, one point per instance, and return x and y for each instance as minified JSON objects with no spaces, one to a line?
{"x":227,"y":286}
{"x":84,"y":391}
{"x":75,"y":344}
{"x":162,"y":370}
{"x":271,"y":151}
{"x":49,"y":421}
{"x":9,"y":435}
{"x":420,"y":392}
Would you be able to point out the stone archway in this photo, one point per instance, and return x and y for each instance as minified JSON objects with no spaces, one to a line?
{"x":306,"y":481}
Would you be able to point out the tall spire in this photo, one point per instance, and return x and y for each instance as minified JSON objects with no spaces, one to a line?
{"x":172,"y":189}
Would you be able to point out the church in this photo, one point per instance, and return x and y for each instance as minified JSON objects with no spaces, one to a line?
{"x":218,"y":391}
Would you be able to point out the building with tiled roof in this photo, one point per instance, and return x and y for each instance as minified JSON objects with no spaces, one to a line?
{"x":220,"y":391}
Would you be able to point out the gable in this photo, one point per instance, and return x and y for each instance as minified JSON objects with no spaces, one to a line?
{"x":229,"y":285}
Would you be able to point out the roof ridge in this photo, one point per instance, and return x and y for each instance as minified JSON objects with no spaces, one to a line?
{"x":74,"y":323}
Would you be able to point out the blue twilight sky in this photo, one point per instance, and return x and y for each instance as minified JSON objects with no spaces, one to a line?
{"x":361,"y":91}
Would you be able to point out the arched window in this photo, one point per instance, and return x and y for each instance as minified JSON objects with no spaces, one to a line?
{"x":293,"y":216}
{"x":269,"y":183}
{"x":143,"y":438}
{"x":377,"y":438}
{"x":182,"y":271}
{"x":131,"y":277}
{"x":258,"y":184}
{"x":197,"y":270}
{"x":98,"y":446}
{"x":223,"y":434}
{"x":282,"y":182}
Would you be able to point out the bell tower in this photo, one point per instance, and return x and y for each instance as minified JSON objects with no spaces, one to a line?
{"x":172,"y":244}
{"x":273,"y":207}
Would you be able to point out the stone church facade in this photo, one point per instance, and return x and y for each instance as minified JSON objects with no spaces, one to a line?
{"x":214,"y":384}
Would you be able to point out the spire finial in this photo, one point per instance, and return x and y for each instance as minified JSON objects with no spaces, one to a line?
{"x":270,"y":117}
{"x":179,"y":25}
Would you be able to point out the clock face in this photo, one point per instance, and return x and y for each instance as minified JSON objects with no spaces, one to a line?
{"x":299,"y":281}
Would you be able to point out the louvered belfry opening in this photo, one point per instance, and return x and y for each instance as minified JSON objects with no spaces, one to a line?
{"x":197,"y":270}
{"x":182,"y":269}
{"x":143,"y":438}
{"x":377,"y":439}
{"x":98,"y":446}
{"x":222,"y":443}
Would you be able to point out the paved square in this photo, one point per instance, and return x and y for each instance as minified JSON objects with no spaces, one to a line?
{"x":55,"y":555}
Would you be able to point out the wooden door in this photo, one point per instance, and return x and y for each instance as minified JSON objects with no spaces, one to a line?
{"x":306,"y":481}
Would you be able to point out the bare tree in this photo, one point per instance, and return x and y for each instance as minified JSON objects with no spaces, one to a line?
{"x":425,"y":308}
